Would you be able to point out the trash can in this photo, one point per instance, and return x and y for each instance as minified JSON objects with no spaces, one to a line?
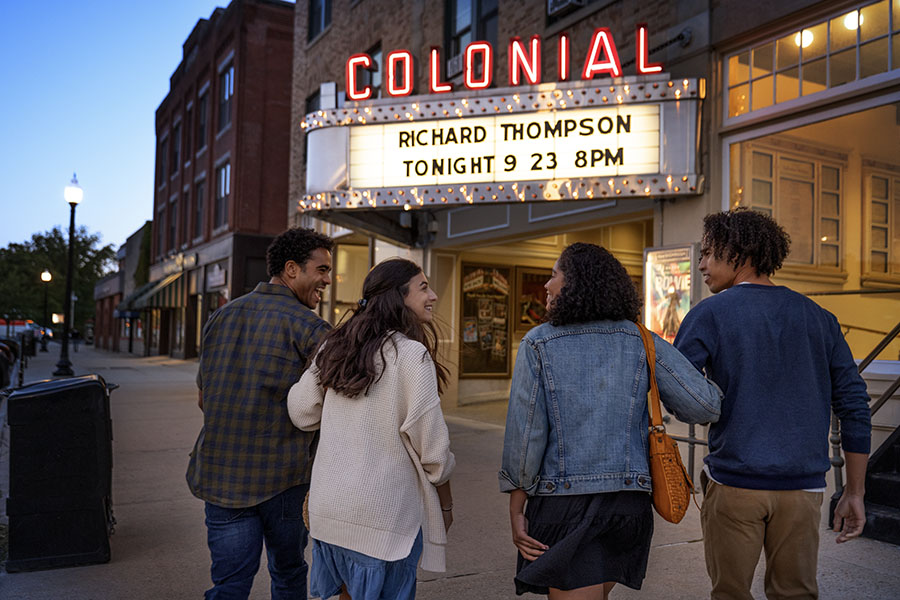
{"x":29,"y":345}
{"x":60,"y":474}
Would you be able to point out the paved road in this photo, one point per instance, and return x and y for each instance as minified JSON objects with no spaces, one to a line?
{"x":159,"y":549}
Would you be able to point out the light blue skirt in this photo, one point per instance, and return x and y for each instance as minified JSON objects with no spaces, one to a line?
{"x":366,"y":577}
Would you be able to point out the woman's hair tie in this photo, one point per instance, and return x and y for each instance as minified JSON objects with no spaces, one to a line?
{"x":362,"y":302}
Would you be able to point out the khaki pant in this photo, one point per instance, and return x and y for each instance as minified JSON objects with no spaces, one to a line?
{"x":738,"y":523}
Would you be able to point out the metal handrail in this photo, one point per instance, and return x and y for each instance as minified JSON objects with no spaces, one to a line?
{"x":837,"y":460}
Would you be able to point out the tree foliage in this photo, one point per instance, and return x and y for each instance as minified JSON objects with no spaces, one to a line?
{"x":21,"y":288}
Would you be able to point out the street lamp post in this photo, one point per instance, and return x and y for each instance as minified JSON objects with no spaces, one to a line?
{"x":73,"y":195}
{"x":45,"y":277}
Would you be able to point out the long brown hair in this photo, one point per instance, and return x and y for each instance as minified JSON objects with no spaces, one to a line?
{"x":346,"y":360}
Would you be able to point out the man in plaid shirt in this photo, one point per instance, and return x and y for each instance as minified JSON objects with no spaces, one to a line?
{"x":250,"y":464}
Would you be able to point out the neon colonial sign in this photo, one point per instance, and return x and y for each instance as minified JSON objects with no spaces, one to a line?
{"x":524,"y":64}
{"x":600,"y":135}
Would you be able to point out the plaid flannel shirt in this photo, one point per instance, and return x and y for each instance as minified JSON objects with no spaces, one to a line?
{"x":254,"y":349}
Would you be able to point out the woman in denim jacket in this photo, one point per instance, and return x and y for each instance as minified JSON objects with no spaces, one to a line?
{"x":576,"y":432}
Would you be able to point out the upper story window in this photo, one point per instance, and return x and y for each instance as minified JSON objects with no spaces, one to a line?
{"x":800,"y":188}
{"x":849,"y":47}
{"x":160,"y":231}
{"x":199,"y":202}
{"x":319,"y":18}
{"x":173,"y":223}
{"x":176,"y":149}
{"x":226,"y":92}
{"x":223,"y":192}
{"x":468,"y":21}
{"x":372,"y":77}
{"x":882,"y":188}
{"x":188,"y":131}
{"x":202,"y":120}
{"x":185,"y":216}
{"x":162,"y":157}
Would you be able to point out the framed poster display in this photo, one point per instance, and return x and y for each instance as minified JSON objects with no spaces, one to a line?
{"x":530,"y":297}
{"x":484,"y":339}
{"x":669,"y":287}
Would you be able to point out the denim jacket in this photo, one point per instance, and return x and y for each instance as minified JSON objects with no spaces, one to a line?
{"x":577,"y":418}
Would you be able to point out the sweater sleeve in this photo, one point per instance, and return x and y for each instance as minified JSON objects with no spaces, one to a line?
{"x":849,"y":398}
{"x":696,"y":338}
{"x":424,"y":424}
{"x":304,"y":401}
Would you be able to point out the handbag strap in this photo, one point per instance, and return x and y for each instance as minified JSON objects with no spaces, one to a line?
{"x":653,"y":406}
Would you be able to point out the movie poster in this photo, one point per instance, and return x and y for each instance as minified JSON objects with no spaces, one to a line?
{"x":485,"y":320}
{"x":667,"y":289}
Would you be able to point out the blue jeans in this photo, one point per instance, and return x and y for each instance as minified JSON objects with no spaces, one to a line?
{"x":235,"y":538}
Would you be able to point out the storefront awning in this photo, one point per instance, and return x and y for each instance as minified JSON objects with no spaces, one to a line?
{"x":126,"y":309}
{"x":165,"y":293}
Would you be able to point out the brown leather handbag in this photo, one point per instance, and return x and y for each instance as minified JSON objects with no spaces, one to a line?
{"x":672,"y":486}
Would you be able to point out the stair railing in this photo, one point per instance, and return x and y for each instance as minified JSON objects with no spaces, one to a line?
{"x":837,"y":459}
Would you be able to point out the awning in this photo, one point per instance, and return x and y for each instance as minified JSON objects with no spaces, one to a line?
{"x":126,"y":308}
{"x":165,"y":293}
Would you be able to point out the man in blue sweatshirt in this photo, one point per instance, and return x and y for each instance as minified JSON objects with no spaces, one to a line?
{"x":783,"y":364}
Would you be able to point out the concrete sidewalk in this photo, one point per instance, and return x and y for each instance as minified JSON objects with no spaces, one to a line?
{"x":159,"y":547}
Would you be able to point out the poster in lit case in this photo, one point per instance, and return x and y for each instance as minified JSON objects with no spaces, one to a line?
{"x":669,"y":290}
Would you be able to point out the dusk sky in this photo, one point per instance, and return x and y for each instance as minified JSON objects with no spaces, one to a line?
{"x":81,"y":82}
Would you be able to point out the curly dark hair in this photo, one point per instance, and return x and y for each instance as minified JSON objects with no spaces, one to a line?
{"x":596,"y":287}
{"x":742,"y":234}
{"x":296,"y":244}
{"x":346,"y":360}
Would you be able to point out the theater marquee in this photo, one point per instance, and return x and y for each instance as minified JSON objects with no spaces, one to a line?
{"x":627,"y":137}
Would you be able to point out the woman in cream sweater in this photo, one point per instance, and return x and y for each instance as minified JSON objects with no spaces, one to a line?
{"x":380,"y":494}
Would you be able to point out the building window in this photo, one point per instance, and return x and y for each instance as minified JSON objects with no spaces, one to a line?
{"x":188,"y":130}
{"x":883,"y":224}
{"x":468,"y":21}
{"x":176,"y":149}
{"x":202,"y":118}
{"x":199,"y":201}
{"x":226,"y":92}
{"x":844,"y":49}
{"x":223,"y":191}
{"x":185,"y":215}
{"x":372,"y":77}
{"x":173,"y":224}
{"x":801,"y":189}
{"x":162,"y":157}
{"x":319,"y":17}
{"x":160,"y":232}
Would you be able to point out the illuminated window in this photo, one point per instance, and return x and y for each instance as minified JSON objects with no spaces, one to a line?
{"x":468,"y":21}
{"x":226,"y":92}
{"x":883,"y":226}
{"x":319,"y":17}
{"x":849,"y":47}
{"x":223,"y":191}
{"x":801,"y":189}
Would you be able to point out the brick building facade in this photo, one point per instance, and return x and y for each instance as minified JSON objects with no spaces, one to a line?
{"x":221,"y":169}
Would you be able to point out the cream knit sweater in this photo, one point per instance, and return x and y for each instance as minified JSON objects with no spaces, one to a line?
{"x":379,"y":458}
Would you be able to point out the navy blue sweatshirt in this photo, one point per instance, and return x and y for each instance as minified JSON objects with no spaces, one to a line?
{"x":783,"y":363}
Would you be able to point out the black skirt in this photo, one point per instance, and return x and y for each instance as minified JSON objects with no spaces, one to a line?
{"x":593,"y":539}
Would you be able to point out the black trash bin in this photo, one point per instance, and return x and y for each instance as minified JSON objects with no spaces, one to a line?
{"x":60,"y":474}
{"x":29,"y":345}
